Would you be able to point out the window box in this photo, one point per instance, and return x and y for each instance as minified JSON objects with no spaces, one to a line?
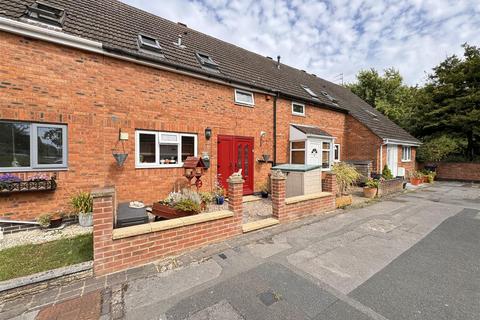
{"x":28,"y":186}
{"x":163,"y":211}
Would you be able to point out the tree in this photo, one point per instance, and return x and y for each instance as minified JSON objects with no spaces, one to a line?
{"x":452,"y":104}
{"x":387,"y":93}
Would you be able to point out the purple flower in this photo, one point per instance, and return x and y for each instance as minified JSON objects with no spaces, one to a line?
{"x":7,"y":177}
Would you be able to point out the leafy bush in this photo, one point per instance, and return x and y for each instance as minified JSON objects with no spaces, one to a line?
{"x":372,"y":183}
{"x":82,"y":202}
{"x":264,"y":187}
{"x":207,"y":197}
{"x":416,"y":174}
{"x":188,"y":205}
{"x":387,"y":173}
{"x":44,"y":220}
{"x":438,"y":149}
{"x":346,"y":175}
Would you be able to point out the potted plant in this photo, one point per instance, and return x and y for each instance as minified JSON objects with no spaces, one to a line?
{"x":416,"y":178}
{"x":219,"y":193}
{"x":178,"y":204}
{"x":387,"y":173}
{"x":370,"y":189}
{"x":346,"y":176}
{"x":207,"y":198}
{"x":56,"y":220}
{"x":264,"y":190}
{"x":44,"y":220}
{"x":82,"y":204}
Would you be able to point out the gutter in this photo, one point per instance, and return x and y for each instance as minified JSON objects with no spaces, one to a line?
{"x":402,"y":142}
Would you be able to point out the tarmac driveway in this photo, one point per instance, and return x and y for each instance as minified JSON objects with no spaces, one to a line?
{"x":415,"y":256}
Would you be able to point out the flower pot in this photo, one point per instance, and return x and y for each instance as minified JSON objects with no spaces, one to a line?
{"x":85,"y":219}
{"x":425,"y":179}
{"x":166,"y":212}
{"x":120,"y":158}
{"x":55,"y":222}
{"x":219,"y":200}
{"x":264,"y":194}
{"x":416,"y":181}
{"x":369,"y":192}
{"x":343,"y":201}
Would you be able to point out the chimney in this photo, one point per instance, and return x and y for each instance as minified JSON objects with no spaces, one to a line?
{"x":278,"y":62}
{"x":179,"y":41}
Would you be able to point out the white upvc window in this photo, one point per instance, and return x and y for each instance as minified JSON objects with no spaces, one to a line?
{"x":326,"y":155}
{"x":336,"y":152}
{"x":244,"y":97}
{"x":154,"y":149}
{"x":28,"y":146}
{"x":406,"y":153}
{"x":298,"y":109}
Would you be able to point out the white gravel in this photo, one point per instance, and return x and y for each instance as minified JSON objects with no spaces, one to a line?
{"x":40,"y":236}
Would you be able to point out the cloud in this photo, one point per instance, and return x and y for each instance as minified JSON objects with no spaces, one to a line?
{"x":329,"y":38}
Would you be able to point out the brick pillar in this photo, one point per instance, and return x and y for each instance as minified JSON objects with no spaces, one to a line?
{"x":330,"y":183}
{"x":235,"y":197}
{"x":279,"y":209}
{"x":103,"y":220}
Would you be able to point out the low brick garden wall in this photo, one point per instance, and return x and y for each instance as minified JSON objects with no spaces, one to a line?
{"x":293,"y":208}
{"x":387,"y":187}
{"x":460,"y":171}
{"x":119,"y":249}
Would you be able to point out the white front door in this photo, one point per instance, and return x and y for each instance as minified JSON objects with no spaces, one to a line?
{"x":314,"y":152}
{"x":392,"y":158}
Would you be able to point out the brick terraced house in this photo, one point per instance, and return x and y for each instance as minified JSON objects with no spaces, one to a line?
{"x":76,"y":74}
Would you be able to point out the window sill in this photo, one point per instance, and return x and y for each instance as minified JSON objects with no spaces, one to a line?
{"x":406,"y":160}
{"x":244,"y":104}
{"x":298,"y":114}
{"x":165,"y":166}
{"x":17,"y":169}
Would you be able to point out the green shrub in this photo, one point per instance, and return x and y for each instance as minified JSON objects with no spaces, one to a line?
{"x":346,"y":176}
{"x":438,"y":149}
{"x":372,"y":183}
{"x":82,"y":202}
{"x":188,"y":205}
{"x":387,"y":173}
{"x":44,"y":220}
{"x":207,"y":197}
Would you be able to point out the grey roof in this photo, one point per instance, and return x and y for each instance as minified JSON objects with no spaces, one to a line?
{"x":117,"y":26}
{"x":310,"y":130}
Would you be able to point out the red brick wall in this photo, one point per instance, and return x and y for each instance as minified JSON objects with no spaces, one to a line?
{"x":362,"y":144}
{"x":408,"y":165}
{"x":96,"y":96}
{"x":331,"y":121}
{"x":462,"y":171}
{"x":114,"y":255}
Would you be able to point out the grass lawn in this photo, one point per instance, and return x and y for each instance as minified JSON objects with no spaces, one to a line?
{"x":32,"y":258}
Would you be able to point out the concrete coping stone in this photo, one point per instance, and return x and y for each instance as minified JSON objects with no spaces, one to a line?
{"x":102,"y":192}
{"x":307,"y":197}
{"x":45,"y":275}
{"x":169,"y":224}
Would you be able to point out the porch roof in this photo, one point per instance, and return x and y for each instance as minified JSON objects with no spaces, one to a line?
{"x":309,"y":131}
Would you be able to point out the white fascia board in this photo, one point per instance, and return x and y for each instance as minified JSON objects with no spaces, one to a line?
{"x":402,"y":142}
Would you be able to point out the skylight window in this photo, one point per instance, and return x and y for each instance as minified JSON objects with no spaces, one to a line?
{"x":206,"y":61}
{"x":374,"y":116}
{"x":329,"y":97}
{"x":149,"y":44}
{"x":310,"y":92}
{"x":47,"y":14}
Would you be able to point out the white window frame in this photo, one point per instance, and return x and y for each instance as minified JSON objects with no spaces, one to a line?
{"x":298,"y":113}
{"x":336,"y":145}
{"x":34,"y":165}
{"x":331,"y":152}
{"x":242,"y":102}
{"x":304,"y":149}
{"x":158,"y":141}
{"x":404,"y":153}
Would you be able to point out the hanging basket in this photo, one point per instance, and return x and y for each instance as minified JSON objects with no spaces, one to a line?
{"x":120,"y":158}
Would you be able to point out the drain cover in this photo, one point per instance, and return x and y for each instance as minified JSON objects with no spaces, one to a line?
{"x":268,"y":298}
{"x":223,"y":256}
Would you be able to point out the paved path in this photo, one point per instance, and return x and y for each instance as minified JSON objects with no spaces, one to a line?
{"x":414,"y":256}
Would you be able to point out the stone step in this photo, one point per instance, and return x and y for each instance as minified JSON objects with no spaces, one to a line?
{"x":260,"y":224}
{"x":251,"y":198}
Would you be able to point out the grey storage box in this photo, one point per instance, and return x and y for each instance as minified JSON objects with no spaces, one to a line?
{"x":127,"y":216}
{"x":301,"y":179}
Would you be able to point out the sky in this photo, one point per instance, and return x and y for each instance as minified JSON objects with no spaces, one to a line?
{"x":330,"y":38}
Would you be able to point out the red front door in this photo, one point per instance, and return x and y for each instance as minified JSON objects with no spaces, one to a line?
{"x":235,"y":153}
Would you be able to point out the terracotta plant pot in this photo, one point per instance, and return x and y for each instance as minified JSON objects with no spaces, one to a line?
{"x":166,"y":212}
{"x":425,"y":179}
{"x":416,"y":181}
{"x":369,"y":192}
{"x":343,"y":201}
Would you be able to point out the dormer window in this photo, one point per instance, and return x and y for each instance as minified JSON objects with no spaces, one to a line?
{"x":149,"y":44}
{"x":206,"y":61}
{"x":310,"y":92}
{"x":47,"y":14}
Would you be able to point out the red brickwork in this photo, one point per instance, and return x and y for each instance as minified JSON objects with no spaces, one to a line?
{"x":288,"y":212}
{"x":387,"y":187}
{"x":114,"y":255}
{"x":461,"y":171}
{"x":362,"y":144}
{"x":329,"y":183}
